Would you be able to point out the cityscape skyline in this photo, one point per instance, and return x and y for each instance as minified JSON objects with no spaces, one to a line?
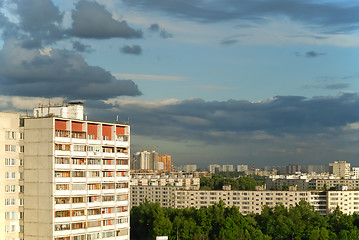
{"x":227,"y":82}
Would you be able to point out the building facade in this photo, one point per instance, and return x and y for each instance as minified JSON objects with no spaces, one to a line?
{"x":146,"y":161}
{"x":340,"y":169}
{"x":247,"y":202}
{"x":167,"y":162}
{"x":11,"y":177}
{"x":71,"y":177}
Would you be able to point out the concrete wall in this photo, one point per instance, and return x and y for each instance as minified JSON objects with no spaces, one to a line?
{"x":39,"y":149}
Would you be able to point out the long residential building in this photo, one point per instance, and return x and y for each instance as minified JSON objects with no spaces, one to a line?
{"x":71,"y":176}
{"x":253,"y":201}
{"x":177,"y":192}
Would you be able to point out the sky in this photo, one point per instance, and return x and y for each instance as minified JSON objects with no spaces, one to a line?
{"x":256,"y":82}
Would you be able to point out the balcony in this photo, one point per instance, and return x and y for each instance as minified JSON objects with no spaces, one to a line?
{"x":78,"y":179}
{"x":122,"y":190}
{"x":62,"y":153}
{"x":62,"y":219}
{"x":62,"y":233}
{"x":94,"y":154}
{"x":62,"y":192}
{"x":61,"y":206}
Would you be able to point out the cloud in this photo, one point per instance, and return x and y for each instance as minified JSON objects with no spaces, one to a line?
{"x":155,"y":27}
{"x":92,"y":20}
{"x":150,"y":77}
{"x":40,"y":20}
{"x":135,"y":50}
{"x":336,"y":86}
{"x":334,"y":17}
{"x":271,"y":130}
{"x":312,"y":54}
{"x":229,"y":42}
{"x":78,"y":46}
{"x":277,"y":117}
{"x":56,"y":73}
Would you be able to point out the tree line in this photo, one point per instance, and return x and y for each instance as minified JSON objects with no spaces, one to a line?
{"x":218,"y":222}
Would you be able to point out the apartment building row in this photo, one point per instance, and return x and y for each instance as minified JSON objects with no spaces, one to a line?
{"x":64,"y":178}
{"x":311,"y":183}
{"x":247,"y":201}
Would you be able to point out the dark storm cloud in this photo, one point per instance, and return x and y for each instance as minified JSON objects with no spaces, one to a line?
{"x":335,"y":17}
{"x":56,"y":73}
{"x":78,"y":46}
{"x":312,"y":54}
{"x":231,"y":120}
{"x":92,"y":20}
{"x":40,"y":19}
{"x":135,"y":49}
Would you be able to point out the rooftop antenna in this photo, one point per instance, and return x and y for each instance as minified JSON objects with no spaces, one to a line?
{"x":117,"y":118}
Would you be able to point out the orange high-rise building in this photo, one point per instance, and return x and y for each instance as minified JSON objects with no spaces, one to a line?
{"x":167,"y":163}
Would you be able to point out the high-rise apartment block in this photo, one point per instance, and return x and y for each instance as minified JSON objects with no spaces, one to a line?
{"x":69,"y":176}
{"x":215,"y":168}
{"x":340,"y":169}
{"x":227,"y":168}
{"x":167,"y":163}
{"x":11,"y":177}
{"x":146,"y":160}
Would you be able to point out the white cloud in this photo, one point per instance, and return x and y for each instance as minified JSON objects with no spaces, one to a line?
{"x":149,"y":77}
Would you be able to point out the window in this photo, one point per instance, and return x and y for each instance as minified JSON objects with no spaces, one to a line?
{"x":10,"y":202}
{"x":95,"y":211}
{"x":21,"y":149}
{"x":62,"y":174}
{"x":78,"y":187}
{"x":62,"y":227}
{"x":62,"y":187}
{"x":79,"y":237}
{"x":93,"y":236}
{"x":77,"y":213}
{"x":62,"y":213}
{"x":21,"y":162}
{"x":21,"y":202}
{"x":61,"y":160}
{"x":21,"y":136}
{"x":21,"y":188}
{"x":79,"y":161}
{"x":10,"y":135}
{"x":10,"y":175}
{"x":94,"y":148}
{"x":9,"y":215}
{"x":10,"y":188}
{"x":79,"y":148}
{"x":62,"y":200}
{"x":10,"y":162}
{"x":10,"y":148}
{"x":108,"y":198}
{"x":78,"y":200}
{"x":21,"y":175}
{"x":10,"y":228}
{"x":78,"y":174}
{"x":21,"y":215}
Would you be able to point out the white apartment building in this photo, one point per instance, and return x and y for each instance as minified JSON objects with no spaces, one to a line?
{"x":227,"y":168}
{"x":11,"y":177}
{"x":253,"y":201}
{"x":160,"y":189}
{"x":340,"y":169}
{"x":76,"y":178}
